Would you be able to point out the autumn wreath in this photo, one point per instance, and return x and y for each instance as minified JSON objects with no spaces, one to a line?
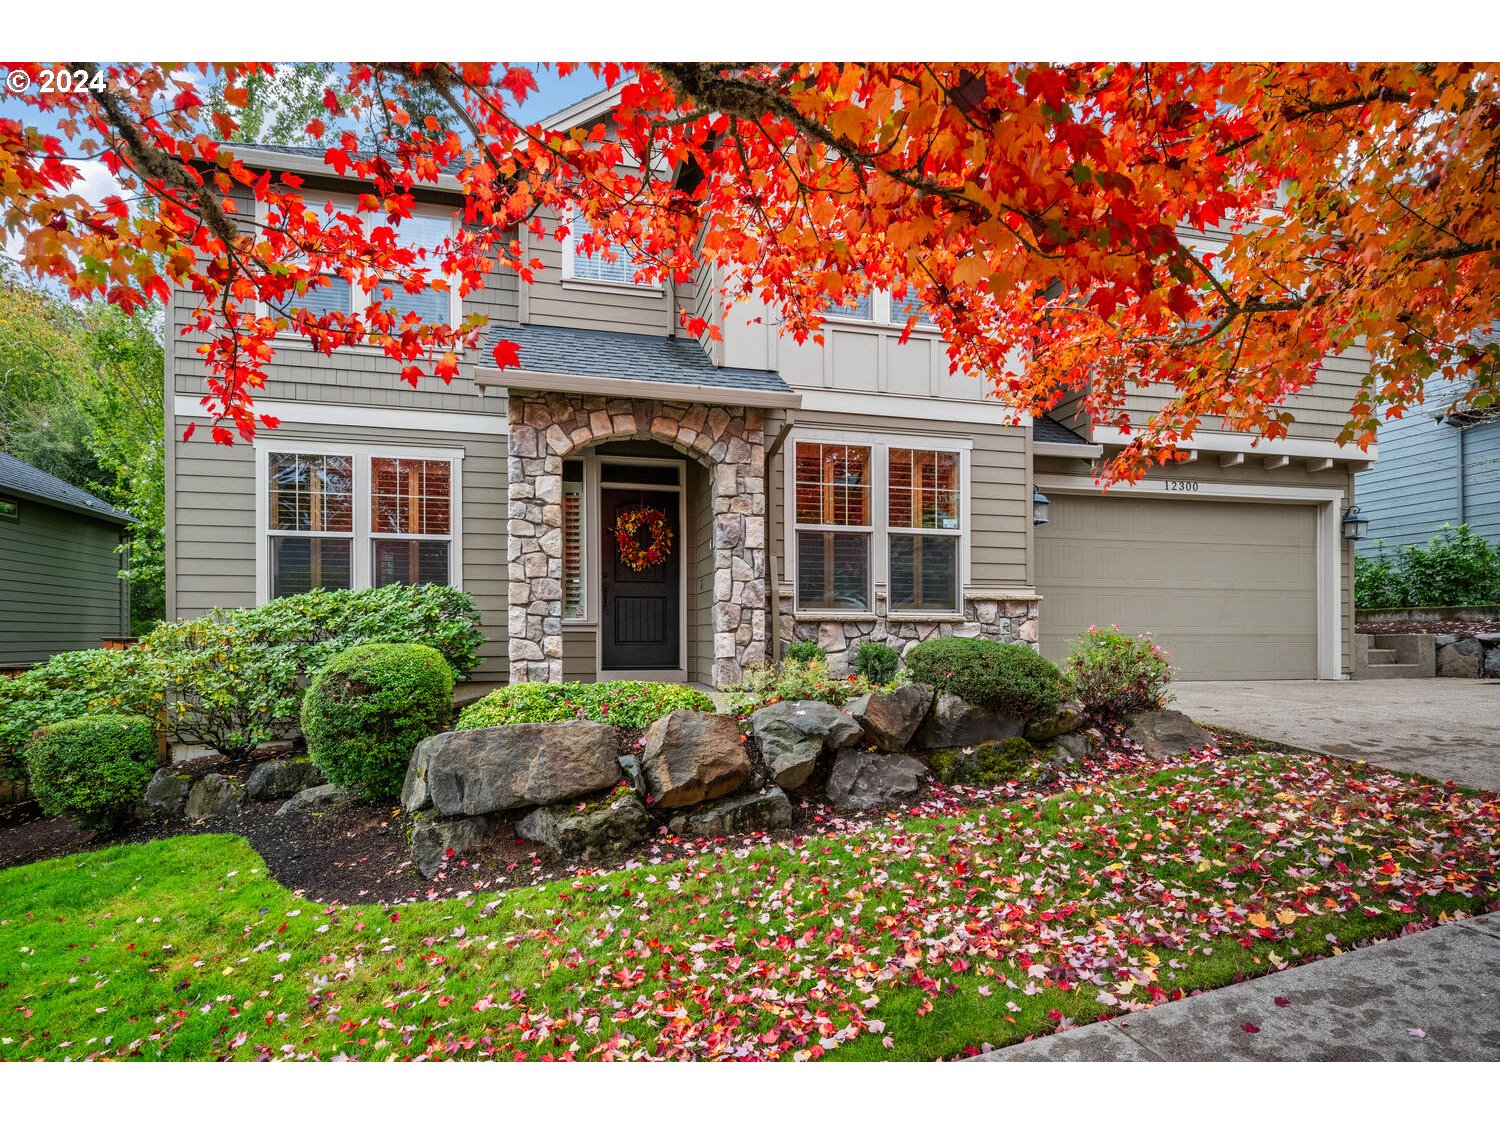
{"x":649,"y":524}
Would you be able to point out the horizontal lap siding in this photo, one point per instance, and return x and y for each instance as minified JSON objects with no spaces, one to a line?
{"x":59,"y":584}
{"x":553,"y":300}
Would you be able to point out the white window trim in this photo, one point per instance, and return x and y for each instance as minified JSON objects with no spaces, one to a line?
{"x":359,"y":299}
{"x":572,"y":281}
{"x":360,"y":455}
{"x":882,"y":315}
{"x":879,"y":530}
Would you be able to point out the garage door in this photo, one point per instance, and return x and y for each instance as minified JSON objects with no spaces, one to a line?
{"x":1229,"y":589}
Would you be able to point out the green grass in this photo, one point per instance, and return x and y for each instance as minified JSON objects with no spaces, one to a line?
{"x":915,"y":939}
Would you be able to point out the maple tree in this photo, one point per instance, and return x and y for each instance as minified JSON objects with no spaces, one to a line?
{"x":1044,"y":213}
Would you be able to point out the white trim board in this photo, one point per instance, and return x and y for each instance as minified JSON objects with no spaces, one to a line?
{"x":654,"y":390}
{"x":1329,"y":542}
{"x":341,"y":414}
{"x":1249,"y":443}
{"x":924,"y":409}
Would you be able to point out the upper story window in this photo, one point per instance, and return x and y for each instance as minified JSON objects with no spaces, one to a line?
{"x":904,"y":308}
{"x":880,"y":307}
{"x":593,"y":267}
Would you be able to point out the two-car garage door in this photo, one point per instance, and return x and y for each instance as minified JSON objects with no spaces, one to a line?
{"x":1228,"y":588}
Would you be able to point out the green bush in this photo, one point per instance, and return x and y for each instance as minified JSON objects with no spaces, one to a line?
{"x":1112,"y":674}
{"x":876,"y":662}
{"x":367,"y":709}
{"x":797,"y":679}
{"x":70,"y":686}
{"x":1456,"y":567}
{"x":93,"y":769}
{"x":804,"y":652}
{"x":629,"y":704}
{"x":1011,"y":679}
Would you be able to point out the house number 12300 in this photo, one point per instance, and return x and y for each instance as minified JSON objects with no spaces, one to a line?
{"x":1181,"y":485}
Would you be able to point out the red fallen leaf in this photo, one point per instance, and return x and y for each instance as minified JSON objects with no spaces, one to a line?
{"x":1250,"y":1027}
{"x":1282,"y":1001}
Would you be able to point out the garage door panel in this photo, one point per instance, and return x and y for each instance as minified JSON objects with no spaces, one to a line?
{"x":1229,"y":589}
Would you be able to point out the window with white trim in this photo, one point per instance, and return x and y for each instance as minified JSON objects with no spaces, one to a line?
{"x":347,"y":518}
{"x":904,"y":308}
{"x":873,"y":512}
{"x":594,"y":267}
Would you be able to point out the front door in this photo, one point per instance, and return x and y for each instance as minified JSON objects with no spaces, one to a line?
{"x":640,"y":610}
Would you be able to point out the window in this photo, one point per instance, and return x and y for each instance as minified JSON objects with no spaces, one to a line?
{"x":902,"y":309}
{"x":860,"y":308}
{"x":424,"y":229}
{"x":574,"y":608}
{"x":353,"y":517}
{"x":833,"y":527}
{"x":586,"y":267}
{"x":871,"y":511}
{"x":10,"y":511}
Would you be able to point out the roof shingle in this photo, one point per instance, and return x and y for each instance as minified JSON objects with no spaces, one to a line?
{"x":17,"y":478}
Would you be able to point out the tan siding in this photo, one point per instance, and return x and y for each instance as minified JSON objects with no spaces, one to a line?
{"x":580,"y":652}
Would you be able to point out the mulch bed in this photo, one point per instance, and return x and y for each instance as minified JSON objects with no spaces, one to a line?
{"x":1458,"y":628}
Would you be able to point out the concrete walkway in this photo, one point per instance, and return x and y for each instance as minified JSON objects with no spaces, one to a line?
{"x":1433,"y":996}
{"x":1441,"y":728}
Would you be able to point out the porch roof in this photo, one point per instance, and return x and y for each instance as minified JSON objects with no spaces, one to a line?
{"x":628,"y":364}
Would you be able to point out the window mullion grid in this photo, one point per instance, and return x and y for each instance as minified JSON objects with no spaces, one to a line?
{"x":363,"y":548}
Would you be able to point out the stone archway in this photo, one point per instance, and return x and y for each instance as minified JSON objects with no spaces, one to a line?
{"x":546,"y":427}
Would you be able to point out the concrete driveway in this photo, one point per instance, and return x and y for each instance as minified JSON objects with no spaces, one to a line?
{"x":1447,"y":729}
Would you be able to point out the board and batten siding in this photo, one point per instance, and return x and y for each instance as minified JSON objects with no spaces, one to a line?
{"x":212,"y":545}
{"x":59,"y":583}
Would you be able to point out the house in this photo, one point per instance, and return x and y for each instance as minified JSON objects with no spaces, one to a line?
{"x":843,"y":492}
{"x":60,"y":564}
{"x":1435,"y":468}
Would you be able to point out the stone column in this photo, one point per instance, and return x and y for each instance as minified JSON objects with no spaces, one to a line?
{"x":534,"y":545}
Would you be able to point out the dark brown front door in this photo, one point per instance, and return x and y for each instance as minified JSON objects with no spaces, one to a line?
{"x":640,"y":621}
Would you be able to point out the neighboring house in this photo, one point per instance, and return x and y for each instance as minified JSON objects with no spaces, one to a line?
{"x":60,"y":564}
{"x":1434,"y":468}
{"x":845,"y":492}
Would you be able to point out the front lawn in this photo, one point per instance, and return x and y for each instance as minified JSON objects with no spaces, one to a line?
{"x":918,"y":938}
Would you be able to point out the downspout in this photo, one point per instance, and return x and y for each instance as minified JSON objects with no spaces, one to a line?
{"x":773,"y":600}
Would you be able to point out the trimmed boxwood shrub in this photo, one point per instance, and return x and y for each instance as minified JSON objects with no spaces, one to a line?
{"x":876,"y":662}
{"x":92,"y":769}
{"x":805,"y":652}
{"x":1010,"y":679}
{"x":629,"y":704}
{"x":365,"y":712}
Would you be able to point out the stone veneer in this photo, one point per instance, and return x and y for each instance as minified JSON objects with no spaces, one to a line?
{"x":546,"y":427}
{"x":1010,"y":617}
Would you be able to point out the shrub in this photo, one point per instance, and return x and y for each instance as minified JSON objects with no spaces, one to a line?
{"x":367,"y":709}
{"x":629,"y":704}
{"x":1456,"y":567}
{"x":1112,"y":674}
{"x":876,"y":662}
{"x":93,"y":769}
{"x":1011,"y":679}
{"x":805,"y":652}
{"x":70,"y":686}
{"x":795,"y":679}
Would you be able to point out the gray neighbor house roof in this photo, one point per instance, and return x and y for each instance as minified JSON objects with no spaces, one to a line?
{"x":19,"y":479}
{"x":628,"y":357}
{"x":1053,"y":432}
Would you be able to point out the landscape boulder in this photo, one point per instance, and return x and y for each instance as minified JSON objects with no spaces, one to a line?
{"x":735,"y":816}
{"x":279,"y":779}
{"x":1068,"y":748}
{"x":890,"y":720}
{"x":416,"y":794}
{"x":953,"y":722}
{"x":167,"y":792}
{"x":601,"y":831}
{"x":214,"y":795}
{"x":1461,"y":659}
{"x":793,"y":733}
{"x":689,"y":757}
{"x":988,"y":763}
{"x":1166,"y":734}
{"x":437,"y":838}
{"x":863,"y":781}
{"x":474,"y":772}
{"x":319,"y":798}
{"x":1492,"y":662}
{"x":1069,"y":717}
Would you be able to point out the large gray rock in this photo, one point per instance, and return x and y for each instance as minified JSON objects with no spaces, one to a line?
{"x":1069,"y":717}
{"x":890,"y":720}
{"x":603,"y":831}
{"x":278,"y":780}
{"x":1492,"y":662}
{"x":952,"y":722}
{"x":214,"y":795}
{"x":863,"y":781}
{"x":320,"y":798}
{"x":690,"y":757}
{"x":735,"y":816}
{"x":435,"y":839}
{"x":416,"y":794}
{"x":1068,"y":748}
{"x":1461,"y":659}
{"x":1166,"y":734}
{"x":793,"y":733}
{"x":473,"y":772}
{"x":167,"y":793}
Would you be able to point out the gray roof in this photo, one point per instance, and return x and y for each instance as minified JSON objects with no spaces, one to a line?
{"x":628,"y":355}
{"x":19,"y":479}
{"x":1053,"y":432}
